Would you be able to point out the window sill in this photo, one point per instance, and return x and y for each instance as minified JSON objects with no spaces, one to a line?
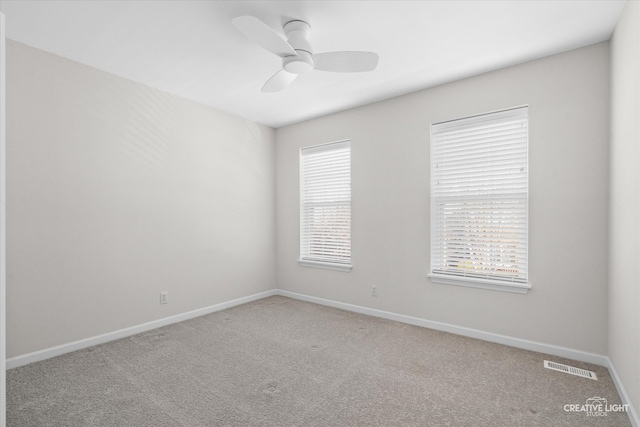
{"x":493,"y":285}
{"x":325,"y":265}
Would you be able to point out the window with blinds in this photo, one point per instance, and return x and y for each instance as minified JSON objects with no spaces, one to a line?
{"x":479,"y":198}
{"x":325,"y":206}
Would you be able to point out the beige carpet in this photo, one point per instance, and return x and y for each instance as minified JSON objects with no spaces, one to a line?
{"x":282,"y":362}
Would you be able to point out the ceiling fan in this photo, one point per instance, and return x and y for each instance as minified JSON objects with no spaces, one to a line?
{"x":296,"y":53}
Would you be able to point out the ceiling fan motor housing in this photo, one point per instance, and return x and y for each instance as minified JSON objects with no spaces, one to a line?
{"x":297,"y":33}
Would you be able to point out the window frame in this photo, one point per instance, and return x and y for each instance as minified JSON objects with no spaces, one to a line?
{"x":476,"y":281}
{"x":309,"y":261}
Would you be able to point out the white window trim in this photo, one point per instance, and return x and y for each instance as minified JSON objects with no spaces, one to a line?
{"x":475,"y":282}
{"x":324,"y":265}
{"x":344,"y":267}
{"x":493,"y":285}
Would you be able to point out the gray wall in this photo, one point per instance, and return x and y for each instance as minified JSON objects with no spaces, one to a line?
{"x":117,"y":191}
{"x":3,"y":329}
{"x":624,"y":279}
{"x":567,"y":96}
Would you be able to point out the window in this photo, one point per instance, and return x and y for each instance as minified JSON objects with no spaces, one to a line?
{"x":479,"y":197}
{"x":325,"y":206}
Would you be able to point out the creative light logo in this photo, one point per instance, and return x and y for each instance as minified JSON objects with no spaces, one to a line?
{"x":596,"y":407}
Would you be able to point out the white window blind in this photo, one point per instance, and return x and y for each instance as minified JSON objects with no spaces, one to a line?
{"x":325,"y":206}
{"x":479,"y":196}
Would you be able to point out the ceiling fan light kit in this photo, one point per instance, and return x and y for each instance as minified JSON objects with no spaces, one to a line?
{"x":297,"y":54}
{"x":300,"y":64}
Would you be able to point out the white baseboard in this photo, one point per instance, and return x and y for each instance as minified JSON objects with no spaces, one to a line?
{"x":48,"y":353}
{"x":554,"y":350}
{"x":624,"y":396}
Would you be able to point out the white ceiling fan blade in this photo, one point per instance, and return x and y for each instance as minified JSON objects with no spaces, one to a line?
{"x":260,"y":33}
{"x":279,"y":81}
{"x":345,"y":62}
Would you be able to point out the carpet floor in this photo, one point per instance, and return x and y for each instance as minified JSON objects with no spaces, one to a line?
{"x":283,"y":362}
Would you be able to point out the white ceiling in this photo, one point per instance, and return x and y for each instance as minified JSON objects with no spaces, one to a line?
{"x":191,"y":49}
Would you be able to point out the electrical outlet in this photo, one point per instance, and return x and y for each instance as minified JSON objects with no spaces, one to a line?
{"x":164,"y":297}
{"x":374,"y":290}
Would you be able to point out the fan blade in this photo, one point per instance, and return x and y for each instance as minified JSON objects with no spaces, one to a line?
{"x":345,"y":62}
{"x":260,"y":33}
{"x":279,"y":81}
